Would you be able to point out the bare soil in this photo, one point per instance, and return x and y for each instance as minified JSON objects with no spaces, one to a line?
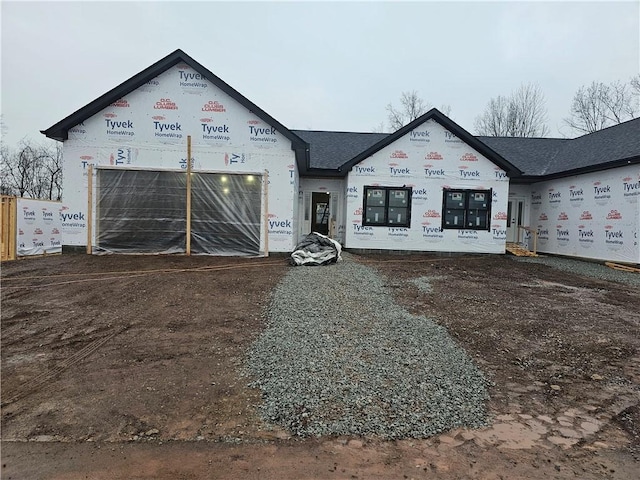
{"x":131,"y":367}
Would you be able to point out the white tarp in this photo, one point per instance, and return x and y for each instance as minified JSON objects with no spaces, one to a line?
{"x":39,"y":226}
{"x":148,"y":128}
{"x":316,"y":249}
{"x":595,"y":215}
{"x":428,"y":159}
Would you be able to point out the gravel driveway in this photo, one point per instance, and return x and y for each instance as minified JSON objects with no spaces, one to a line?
{"x":340,"y":357}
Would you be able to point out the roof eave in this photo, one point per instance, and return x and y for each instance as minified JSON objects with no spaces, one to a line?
{"x":623,"y":162}
{"x":324,"y":172}
{"x":60,"y":130}
{"x":444,"y":121}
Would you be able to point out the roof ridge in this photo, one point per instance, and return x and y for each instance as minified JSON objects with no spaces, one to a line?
{"x":338,"y":131}
{"x":524,"y":138}
{"x":616,"y":125}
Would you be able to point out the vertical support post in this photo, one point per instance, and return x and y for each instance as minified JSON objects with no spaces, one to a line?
{"x":188,"y":195}
{"x":89,"y":208}
{"x":13,"y":222}
{"x":9,"y":227}
{"x":265,"y":179}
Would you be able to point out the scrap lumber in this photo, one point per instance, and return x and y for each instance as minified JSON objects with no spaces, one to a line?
{"x":624,"y":268}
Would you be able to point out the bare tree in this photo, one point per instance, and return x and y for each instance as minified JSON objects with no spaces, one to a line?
{"x":598,"y":105}
{"x":3,"y":127}
{"x":522,"y":114}
{"x":380,"y":128}
{"x":54,"y":171}
{"x":32,"y":170}
{"x":6,"y":186}
{"x":496,"y":118}
{"x":411,"y":107}
{"x":635,"y":86}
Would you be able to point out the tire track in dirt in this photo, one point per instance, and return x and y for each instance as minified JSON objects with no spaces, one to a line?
{"x":43,"y":379}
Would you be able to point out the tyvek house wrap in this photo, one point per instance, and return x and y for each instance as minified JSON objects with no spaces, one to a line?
{"x":428,"y":159}
{"x":148,"y":128}
{"x":595,"y":215}
{"x":38,"y":227}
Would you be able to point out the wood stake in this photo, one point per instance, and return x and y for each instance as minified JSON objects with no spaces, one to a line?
{"x":188,"y":195}
{"x":89,"y":207}
{"x":9,"y":209}
{"x":265,"y":179}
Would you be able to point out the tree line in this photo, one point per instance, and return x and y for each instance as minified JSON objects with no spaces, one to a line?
{"x":31,"y":170}
{"x":35,"y":170}
{"x":523,"y":113}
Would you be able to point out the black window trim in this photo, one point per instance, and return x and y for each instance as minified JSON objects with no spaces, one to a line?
{"x":407,"y":224}
{"x":468,"y":191}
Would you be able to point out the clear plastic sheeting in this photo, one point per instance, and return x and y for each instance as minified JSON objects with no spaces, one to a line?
{"x":141,"y":211}
{"x":316,"y":249}
{"x":225,"y":214}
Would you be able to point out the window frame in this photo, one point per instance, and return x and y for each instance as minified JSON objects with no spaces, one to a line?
{"x":386,"y":206}
{"x":467,"y":209}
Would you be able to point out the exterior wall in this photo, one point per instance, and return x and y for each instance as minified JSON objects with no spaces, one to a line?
{"x":523,"y":191}
{"x":595,"y":215}
{"x":429,"y":159}
{"x":148,"y":128}
{"x":38,"y":225}
{"x":334,"y":186}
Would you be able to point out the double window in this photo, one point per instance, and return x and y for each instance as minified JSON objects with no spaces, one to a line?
{"x":466,"y":209}
{"x":387,"y":206}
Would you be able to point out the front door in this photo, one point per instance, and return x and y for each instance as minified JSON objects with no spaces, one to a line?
{"x":515,"y":219}
{"x":320,"y":214}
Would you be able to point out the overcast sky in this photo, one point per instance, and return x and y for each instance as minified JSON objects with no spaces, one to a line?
{"x":317,"y":65}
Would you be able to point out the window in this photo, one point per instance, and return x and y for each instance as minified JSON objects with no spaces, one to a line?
{"x":387,"y":207}
{"x":467,"y":209}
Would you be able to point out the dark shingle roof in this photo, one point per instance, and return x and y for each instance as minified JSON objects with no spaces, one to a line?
{"x":333,"y":149}
{"x":618,"y":143}
{"x":337,"y":152}
{"x":531,"y":155}
{"x":610,"y":147}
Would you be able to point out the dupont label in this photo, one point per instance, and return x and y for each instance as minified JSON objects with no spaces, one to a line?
{"x":432,"y":232}
{"x":576,"y":196}
{"x":631,"y":189}
{"x":601,"y":193}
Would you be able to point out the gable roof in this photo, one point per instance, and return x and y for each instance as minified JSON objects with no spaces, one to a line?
{"x":555,"y":157}
{"x":60,"y":130}
{"x":448,"y":124}
{"x":325,"y":153}
{"x":610,"y":147}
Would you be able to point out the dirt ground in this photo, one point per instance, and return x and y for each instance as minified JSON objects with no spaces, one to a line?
{"x":130,"y":367}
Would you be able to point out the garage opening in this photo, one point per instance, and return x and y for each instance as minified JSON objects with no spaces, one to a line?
{"x":142,"y":211}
